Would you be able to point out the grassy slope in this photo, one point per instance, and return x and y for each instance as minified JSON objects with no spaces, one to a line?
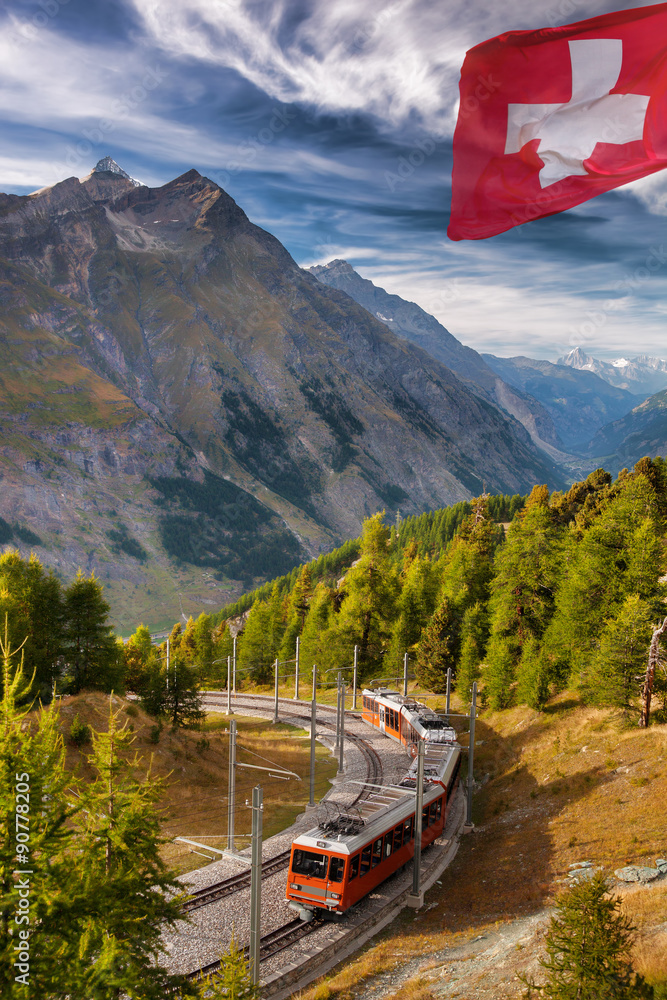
{"x":194,"y":802}
{"x":570,"y":784}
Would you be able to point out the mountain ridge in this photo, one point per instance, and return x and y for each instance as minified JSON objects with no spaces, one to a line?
{"x":247,"y":369}
{"x":410,"y":321}
{"x":641,"y":375}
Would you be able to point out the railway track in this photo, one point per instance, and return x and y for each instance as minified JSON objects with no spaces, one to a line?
{"x":212,"y":893}
{"x":270,"y":944}
{"x":235,"y":883}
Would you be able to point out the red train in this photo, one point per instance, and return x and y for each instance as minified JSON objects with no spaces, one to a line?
{"x":348,"y":854}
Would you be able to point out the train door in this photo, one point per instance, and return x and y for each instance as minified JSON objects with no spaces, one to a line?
{"x":382,"y":719}
{"x":334,"y":890}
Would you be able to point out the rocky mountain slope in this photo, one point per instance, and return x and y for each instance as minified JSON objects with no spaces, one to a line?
{"x":410,"y":321}
{"x":578,"y":401}
{"x":177,"y":383}
{"x":641,"y":432}
{"x":641,"y":375}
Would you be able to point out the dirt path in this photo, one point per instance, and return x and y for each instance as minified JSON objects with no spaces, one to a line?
{"x":482,"y":965}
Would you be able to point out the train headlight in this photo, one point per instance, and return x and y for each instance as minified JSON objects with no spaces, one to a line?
{"x":334,"y":895}
{"x":293,"y":885}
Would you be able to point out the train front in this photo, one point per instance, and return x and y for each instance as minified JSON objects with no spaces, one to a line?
{"x":316,"y":880}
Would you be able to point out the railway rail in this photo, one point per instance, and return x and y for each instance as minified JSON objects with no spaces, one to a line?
{"x":241,"y":880}
{"x":270,"y":944}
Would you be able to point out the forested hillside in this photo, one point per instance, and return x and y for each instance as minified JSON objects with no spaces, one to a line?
{"x":566,"y":594}
{"x":526,"y":596}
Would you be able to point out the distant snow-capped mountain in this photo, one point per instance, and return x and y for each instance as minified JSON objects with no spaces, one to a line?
{"x":641,"y":374}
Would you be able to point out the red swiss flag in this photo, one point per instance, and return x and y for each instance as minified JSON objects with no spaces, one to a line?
{"x":551,"y":118}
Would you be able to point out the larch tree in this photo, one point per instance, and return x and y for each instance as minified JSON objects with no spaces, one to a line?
{"x":233,"y":980}
{"x":39,"y":915}
{"x":128,"y":896}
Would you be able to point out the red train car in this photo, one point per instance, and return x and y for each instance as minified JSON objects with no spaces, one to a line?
{"x":403,"y":719}
{"x":348,"y":855}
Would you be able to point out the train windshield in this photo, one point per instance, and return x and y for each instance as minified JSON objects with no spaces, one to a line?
{"x":309,"y":863}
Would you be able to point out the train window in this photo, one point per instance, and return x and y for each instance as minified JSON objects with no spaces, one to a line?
{"x":366,"y":859}
{"x":354,"y":867}
{"x":433,"y":812}
{"x":374,"y":707}
{"x":407,"y":830}
{"x":336,"y":869}
{"x":424,"y":817}
{"x":377,"y":852}
{"x":309,"y":863}
{"x":388,"y":838}
{"x":363,"y":701}
{"x":398,"y":837}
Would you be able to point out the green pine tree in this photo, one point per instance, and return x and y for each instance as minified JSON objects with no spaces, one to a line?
{"x":414,"y":607}
{"x":368,"y":605}
{"x":438,"y":648}
{"x":588,"y":949}
{"x":624,"y":642}
{"x":182,"y":700}
{"x":91,"y":649}
{"x":499,"y":674}
{"x":36,"y":612}
{"x":255,"y":647}
{"x":474,"y":635}
{"x":533,"y":680}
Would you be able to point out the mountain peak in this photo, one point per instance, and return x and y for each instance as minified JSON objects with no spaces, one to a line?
{"x":334,"y":266}
{"x":108,"y":165}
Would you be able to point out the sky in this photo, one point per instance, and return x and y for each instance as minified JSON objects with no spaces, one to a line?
{"x":330,"y":122}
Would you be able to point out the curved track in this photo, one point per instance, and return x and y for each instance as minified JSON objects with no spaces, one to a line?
{"x":288,"y":934}
{"x":234,"y":883}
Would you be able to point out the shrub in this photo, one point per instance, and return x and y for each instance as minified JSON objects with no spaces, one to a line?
{"x":79,"y":732}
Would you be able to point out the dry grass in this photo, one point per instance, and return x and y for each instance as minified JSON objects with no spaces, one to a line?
{"x":194,"y":803}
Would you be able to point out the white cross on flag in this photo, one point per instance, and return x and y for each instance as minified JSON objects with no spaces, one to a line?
{"x":550,"y":118}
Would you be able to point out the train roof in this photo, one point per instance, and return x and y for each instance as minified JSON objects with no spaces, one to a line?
{"x":419,"y":713}
{"x":385,"y":807}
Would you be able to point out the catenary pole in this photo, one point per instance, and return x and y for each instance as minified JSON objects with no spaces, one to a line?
{"x":405,"y":676}
{"x":449,"y":689}
{"x":296,"y":669}
{"x":313,"y":726}
{"x":354,"y":682}
{"x":471,"y":753}
{"x":231,"y":786}
{"x":256,"y":883}
{"x":342,"y":729}
{"x":229,"y":685}
{"x":419,"y":805}
{"x":234,"y":667}
{"x":275,"y":700}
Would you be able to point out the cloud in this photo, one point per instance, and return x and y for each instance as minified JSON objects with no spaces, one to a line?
{"x":398,"y":61}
